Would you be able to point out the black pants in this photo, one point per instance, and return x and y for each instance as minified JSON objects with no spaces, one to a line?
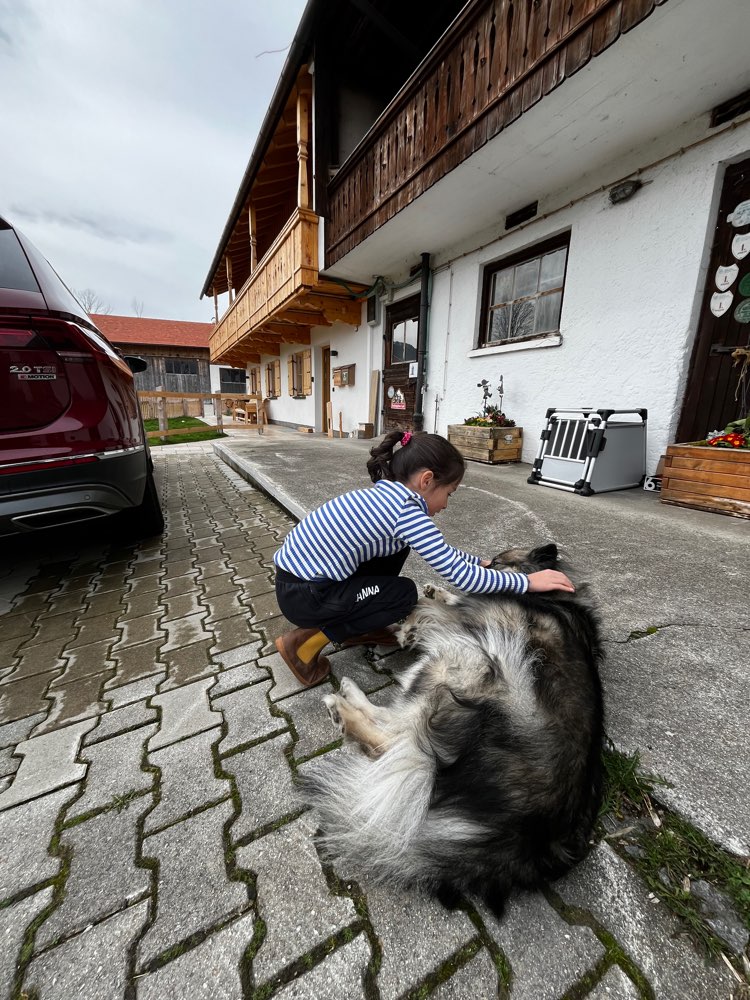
{"x":374,"y":597}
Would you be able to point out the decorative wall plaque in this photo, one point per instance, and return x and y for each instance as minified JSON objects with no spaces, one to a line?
{"x":720,"y":302}
{"x":725,"y":276}
{"x":740,"y":216}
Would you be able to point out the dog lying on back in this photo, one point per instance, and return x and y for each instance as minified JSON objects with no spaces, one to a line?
{"x":485,"y":773}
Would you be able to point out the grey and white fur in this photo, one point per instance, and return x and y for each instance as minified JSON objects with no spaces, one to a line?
{"x":484,"y":773}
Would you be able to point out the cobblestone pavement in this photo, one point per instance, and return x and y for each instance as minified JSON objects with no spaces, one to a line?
{"x":151,"y":845}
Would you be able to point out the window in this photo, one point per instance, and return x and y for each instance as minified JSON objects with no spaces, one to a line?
{"x":522,"y":295}
{"x":273,"y":379}
{"x":180,"y":366}
{"x":404,"y":341}
{"x":253,"y":378}
{"x":232,"y":381}
{"x":15,"y":271}
{"x":299,"y":373}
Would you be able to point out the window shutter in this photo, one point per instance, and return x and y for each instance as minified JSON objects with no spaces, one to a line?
{"x":307,"y":373}
{"x":277,"y":377}
{"x":290,"y":373}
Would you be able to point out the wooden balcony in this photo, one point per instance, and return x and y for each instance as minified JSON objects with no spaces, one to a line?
{"x":283,"y":298}
{"x":498,"y":59}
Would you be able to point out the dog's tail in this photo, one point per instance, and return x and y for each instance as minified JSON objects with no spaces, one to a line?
{"x":372,"y":812}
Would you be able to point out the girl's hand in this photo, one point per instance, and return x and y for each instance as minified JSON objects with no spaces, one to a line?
{"x":549,"y":579}
{"x":486,"y":563}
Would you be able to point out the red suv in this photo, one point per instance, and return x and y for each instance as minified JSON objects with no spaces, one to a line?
{"x":72,"y":444}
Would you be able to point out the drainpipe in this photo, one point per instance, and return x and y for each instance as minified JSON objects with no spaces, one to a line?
{"x":424,"y":306}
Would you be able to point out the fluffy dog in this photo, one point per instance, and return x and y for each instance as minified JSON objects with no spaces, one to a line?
{"x":485,"y":772}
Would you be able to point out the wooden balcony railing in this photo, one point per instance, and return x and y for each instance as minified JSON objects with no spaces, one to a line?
{"x":289,"y":267}
{"x":498,"y":59}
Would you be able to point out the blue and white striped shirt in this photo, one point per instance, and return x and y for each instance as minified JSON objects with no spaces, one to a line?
{"x":332,"y":541}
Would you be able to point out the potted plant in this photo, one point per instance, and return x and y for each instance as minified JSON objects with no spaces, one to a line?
{"x":713,"y":474}
{"x":489,"y":436}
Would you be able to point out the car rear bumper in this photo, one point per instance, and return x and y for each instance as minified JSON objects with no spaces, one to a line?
{"x":63,"y":495}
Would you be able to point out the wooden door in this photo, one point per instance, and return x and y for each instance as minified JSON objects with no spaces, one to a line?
{"x":401,"y":322}
{"x":325,"y":392}
{"x":725,"y":315}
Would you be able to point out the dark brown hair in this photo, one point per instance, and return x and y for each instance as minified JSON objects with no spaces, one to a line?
{"x":423,"y":451}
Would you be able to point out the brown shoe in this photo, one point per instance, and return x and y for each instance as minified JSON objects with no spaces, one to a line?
{"x":310,"y":673}
{"x":380,"y":637}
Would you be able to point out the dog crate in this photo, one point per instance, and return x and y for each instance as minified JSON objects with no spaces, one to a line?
{"x":591,"y":451}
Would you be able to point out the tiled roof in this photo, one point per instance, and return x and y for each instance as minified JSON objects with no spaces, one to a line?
{"x":139,"y":330}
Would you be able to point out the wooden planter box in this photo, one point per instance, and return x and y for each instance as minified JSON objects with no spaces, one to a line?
{"x":715,"y":479}
{"x":487,"y":444}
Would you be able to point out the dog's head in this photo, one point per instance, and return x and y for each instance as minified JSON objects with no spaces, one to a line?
{"x":528,"y":560}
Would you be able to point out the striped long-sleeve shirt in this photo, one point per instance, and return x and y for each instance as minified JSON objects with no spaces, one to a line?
{"x":333,"y":540}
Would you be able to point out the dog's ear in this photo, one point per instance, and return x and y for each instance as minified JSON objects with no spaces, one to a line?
{"x":545,"y":556}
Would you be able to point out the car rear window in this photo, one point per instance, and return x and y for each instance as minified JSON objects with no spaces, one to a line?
{"x":15,"y":270}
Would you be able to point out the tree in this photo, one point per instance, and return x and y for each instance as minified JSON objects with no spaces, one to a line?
{"x":137,"y":306}
{"x":91,"y":301}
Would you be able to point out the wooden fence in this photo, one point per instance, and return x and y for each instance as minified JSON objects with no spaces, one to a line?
{"x":230,"y":410}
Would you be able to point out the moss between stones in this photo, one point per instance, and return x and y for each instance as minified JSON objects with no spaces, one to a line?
{"x":669,"y":855}
{"x":441,"y":975}
{"x":637,"y":634}
{"x":613,"y":953}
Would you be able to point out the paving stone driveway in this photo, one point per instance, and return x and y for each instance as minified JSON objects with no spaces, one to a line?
{"x":150,"y":843}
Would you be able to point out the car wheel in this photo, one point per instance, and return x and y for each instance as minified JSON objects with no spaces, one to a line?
{"x":145,"y":520}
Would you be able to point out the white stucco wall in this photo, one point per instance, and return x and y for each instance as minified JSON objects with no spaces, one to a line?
{"x":352,"y":402}
{"x":635,"y":279}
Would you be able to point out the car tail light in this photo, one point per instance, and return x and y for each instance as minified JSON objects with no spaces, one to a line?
{"x":16,"y":339}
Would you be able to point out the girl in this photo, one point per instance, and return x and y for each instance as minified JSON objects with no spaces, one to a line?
{"x":337,"y":573}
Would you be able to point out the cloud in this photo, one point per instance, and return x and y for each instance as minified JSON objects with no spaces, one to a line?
{"x":113,"y":229}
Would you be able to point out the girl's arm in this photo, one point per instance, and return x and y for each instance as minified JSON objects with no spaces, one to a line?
{"x":544,"y":580}
{"x":463,"y":571}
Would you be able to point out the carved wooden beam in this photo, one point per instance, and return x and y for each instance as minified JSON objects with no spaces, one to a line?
{"x":253,"y":237}
{"x":287,"y":333}
{"x":337,"y":308}
{"x":303,"y":130}
{"x":229,"y":277}
{"x":313,"y":317}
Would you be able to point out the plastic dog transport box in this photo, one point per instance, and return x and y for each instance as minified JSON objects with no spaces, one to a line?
{"x":591,"y":451}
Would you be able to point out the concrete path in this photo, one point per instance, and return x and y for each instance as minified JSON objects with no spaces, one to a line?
{"x":150,"y":842}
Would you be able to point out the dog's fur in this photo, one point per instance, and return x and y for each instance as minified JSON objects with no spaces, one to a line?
{"x":484,"y":774}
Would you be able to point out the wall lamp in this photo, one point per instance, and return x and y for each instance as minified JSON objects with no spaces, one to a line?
{"x":623,"y":192}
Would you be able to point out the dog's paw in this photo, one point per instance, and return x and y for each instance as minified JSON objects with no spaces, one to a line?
{"x":331,"y":703}
{"x":443,"y":596}
{"x":406,"y":635}
{"x":351,"y":692}
{"x":429,"y":591}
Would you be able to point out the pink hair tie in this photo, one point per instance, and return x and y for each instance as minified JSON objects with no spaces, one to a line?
{"x":406,"y":439}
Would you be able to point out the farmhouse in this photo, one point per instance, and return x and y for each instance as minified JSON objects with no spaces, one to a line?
{"x":553,"y":192}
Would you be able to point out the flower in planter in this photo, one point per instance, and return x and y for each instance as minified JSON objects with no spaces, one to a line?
{"x":493,"y":417}
{"x":732,"y":440}
{"x":735,"y":435}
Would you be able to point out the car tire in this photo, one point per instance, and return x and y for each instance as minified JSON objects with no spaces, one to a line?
{"x":146,"y":520}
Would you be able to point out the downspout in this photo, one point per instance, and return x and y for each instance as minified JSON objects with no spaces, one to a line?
{"x":424,"y":308}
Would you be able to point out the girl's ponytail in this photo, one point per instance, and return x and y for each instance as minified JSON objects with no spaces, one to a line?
{"x":379,"y":465}
{"x":418,"y":451}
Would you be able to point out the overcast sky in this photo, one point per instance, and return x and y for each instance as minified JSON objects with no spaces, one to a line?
{"x":126,"y":127}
